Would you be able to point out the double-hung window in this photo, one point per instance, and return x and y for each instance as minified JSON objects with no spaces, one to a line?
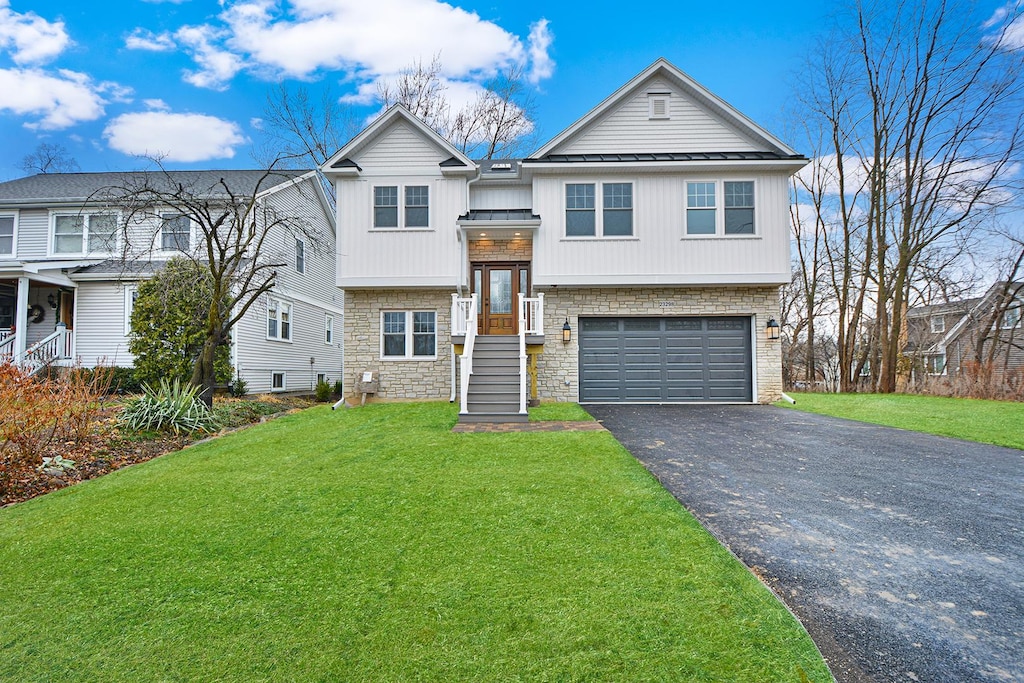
{"x":736,"y":199}
{"x":85,"y":233}
{"x":615,"y":218}
{"x":175,"y":232}
{"x":938,"y":324}
{"x":415,"y":206}
{"x":935,"y":364}
{"x":279,"y":320}
{"x":300,"y":256}
{"x":409,"y":334}
{"x":7,"y":235}
{"x":1011,"y":316}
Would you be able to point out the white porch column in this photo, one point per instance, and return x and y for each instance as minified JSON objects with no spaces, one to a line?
{"x":21,"y":319}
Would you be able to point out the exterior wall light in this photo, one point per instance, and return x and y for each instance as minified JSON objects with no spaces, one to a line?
{"x":52,"y":300}
{"x":566,"y":332}
{"x":772,"y":329}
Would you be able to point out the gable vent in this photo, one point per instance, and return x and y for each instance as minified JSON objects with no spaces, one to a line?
{"x":657,"y":106}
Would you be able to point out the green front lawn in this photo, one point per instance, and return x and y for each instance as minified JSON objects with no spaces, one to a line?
{"x":995,"y":422}
{"x":374,"y":544}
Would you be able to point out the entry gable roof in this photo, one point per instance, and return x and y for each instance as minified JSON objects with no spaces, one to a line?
{"x":343,"y":161}
{"x":736,"y":130}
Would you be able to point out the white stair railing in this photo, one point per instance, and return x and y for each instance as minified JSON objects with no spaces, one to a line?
{"x":531,"y":314}
{"x":48,"y":350}
{"x":464,"y":320}
{"x":6,"y":345}
{"x":523,"y":379}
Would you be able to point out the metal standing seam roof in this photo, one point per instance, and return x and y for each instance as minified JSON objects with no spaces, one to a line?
{"x":70,"y":187}
{"x":500,"y":215}
{"x":666,"y":156}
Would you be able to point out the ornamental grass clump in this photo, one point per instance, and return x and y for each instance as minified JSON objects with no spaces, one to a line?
{"x":173,"y":406}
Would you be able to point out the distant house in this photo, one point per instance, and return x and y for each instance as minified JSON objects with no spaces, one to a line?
{"x":67,"y":280}
{"x":635,"y":257}
{"x":943,"y":339}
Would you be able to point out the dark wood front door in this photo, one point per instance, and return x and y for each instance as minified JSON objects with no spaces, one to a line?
{"x":499,"y":286}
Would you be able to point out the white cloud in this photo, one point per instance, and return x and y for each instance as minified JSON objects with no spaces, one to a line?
{"x":368,"y":40}
{"x":141,"y":39}
{"x":29,"y":38}
{"x":1007,"y":24}
{"x":217,"y":66}
{"x":541,"y":64}
{"x":174,"y":137}
{"x":60,"y":100}
{"x":156,"y":104}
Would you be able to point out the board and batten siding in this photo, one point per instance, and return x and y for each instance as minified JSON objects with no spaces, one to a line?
{"x":659,"y":252}
{"x":100,"y":324}
{"x":407,"y":257}
{"x":501,"y":197}
{"x":629,"y":128}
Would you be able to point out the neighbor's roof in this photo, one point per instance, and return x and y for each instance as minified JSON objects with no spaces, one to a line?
{"x":81,"y":187}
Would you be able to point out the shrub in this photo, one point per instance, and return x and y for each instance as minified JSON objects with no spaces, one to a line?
{"x":323,"y":391}
{"x":239,"y":387}
{"x":339,"y":389}
{"x":173,"y":406}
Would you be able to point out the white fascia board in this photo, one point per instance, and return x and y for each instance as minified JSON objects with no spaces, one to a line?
{"x":436,"y":282}
{"x":294,"y":295}
{"x":49,"y":278}
{"x":662,"y":280}
{"x":583,"y":167}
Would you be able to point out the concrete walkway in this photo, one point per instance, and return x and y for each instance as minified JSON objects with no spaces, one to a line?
{"x":902,"y":553}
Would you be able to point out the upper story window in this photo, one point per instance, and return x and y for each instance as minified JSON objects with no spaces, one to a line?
{"x":938,"y":324}
{"x":175,"y":232}
{"x":84,"y":233}
{"x":7,"y":235}
{"x":582,"y":218}
{"x":408,"y":334}
{"x":329,"y":329}
{"x":279,"y":320}
{"x":735,"y":197}
{"x":1011,"y":316}
{"x":300,"y":256}
{"x":415,"y":206}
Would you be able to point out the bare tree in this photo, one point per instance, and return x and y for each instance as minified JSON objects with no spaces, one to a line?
{"x":242,"y":239}
{"x":931,"y":110}
{"x":307,"y":128}
{"x":49,"y":158}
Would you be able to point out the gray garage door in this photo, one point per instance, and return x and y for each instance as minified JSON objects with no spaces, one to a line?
{"x":665,"y":359}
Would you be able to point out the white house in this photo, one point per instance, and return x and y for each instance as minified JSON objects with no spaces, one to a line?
{"x":67,"y":278}
{"x":635,"y":257}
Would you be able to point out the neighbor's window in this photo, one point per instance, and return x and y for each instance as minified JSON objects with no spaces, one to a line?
{"x":131,"y":294}
{"x":417,"y":207}
{"x":385,"y":206}
{"x":175,"y":233}
{"x":329,"y":329}
{"x":938,"y":324}
{"x":409,"y":334}
{"x":739,"y":207}
{"x":700,"y":208}
{"x":935,"y":364}
{"x":579,"y":210}
{"x":300,"y":256}
{"x":277,"y":382}
{"x":279,"y":320}
{"x":1011,"y":317}
{"x":83,"y":233}
{"x":7,"y":235}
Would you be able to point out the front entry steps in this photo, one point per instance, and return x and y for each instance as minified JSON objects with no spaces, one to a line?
{"x":494,"y":385}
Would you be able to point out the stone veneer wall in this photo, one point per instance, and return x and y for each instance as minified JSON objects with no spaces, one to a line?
{"x":399,"y":379}
{"x":558,"y":366}
{"x":500,"y":250}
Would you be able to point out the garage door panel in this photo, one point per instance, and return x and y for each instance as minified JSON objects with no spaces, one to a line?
{"x":665,"y":359}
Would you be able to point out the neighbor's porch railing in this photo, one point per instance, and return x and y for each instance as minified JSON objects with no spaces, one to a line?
{"x":52,"y":349}
{"x":6,"y":344}
{"x":464,"y":323}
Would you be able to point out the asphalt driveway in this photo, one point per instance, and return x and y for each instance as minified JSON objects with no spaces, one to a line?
{"x":902,"y":553}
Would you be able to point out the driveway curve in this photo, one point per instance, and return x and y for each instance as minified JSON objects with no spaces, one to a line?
{"x":901,"y":553}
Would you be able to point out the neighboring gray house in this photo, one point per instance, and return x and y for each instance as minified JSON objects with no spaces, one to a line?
{"x":67,"y":279}
{"x":942,"y":339}
{"x":653,"y":233}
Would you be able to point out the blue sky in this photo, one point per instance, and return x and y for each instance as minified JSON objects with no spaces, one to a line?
{"x":188,"y":78}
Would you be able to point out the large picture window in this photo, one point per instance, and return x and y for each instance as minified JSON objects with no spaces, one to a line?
{"x":409,"y":334}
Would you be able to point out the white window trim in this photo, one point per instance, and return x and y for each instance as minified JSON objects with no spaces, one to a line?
{"x":300,"y":245}
{"x":599,"y":210}
{"x":328,"y":329}
{"x":14,"y":234}
{"x":284,"y":380}
{"x":720,"y":210}
{"x":130,"y":291}
{"x":409,"y":342}
{"x":1016,"y":304}
{"x":291,"y":320}
{"x":52,"y":237}
{"x":940,"y":327}
{"x":928,"y":366}
{"x":429,"y":227}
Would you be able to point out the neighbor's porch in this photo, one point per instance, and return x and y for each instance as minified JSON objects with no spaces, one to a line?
{"x":36,"y":320}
